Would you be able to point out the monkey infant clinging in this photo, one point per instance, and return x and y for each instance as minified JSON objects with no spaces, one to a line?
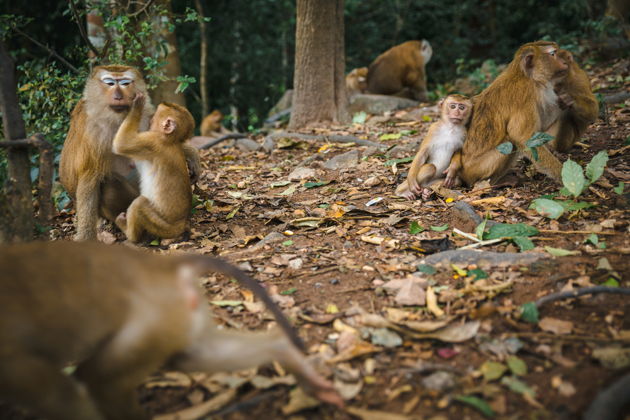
{"x":439,"y":152}
{"x":165,"y":195}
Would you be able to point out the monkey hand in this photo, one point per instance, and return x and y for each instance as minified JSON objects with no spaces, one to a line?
{"x":414,"y":187}
{"x":565,"y":100}
{"x":139,"y":100}
{"x":451,"y":174}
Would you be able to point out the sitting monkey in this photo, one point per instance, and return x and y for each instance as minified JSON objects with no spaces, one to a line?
{"x":439,"y":152}
{"x":165,"y":199}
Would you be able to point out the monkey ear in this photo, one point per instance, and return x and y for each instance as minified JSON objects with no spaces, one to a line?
{"x":527,"y":61}
{"x":169,"y":125}
{"x":440,"y":103}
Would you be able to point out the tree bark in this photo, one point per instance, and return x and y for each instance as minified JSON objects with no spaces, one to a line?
{"x":165,"y":90}
{"x":16,"y":198}
{"x":203,"y":61}
{"x":319,"y":80}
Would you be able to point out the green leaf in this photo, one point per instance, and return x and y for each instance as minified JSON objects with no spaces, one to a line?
{"x":476,"y":403}
{"x":506,"y":230}
{"x":570,"y":205}
{"x":518,"y":386}
{"x":619,"y":188}
{"x":517,"y":365}
{"x":359,"y":117}
{"x":289,"y":291}
{"x":529,"y":312}
{"x":492,"y":370}
{"x":573,"y":177}
{"x":559,"y":252}
{"x":611,"y":282}
{"x":315,"y":184}
{"x":592,"y":238}
{"x":523,"y":242}
{"x":534,"y":153}
{"x":478,"y":274}
{"x":460,"y":271}
{"x":505,"y":148}
{"x":415,"y":228}
{"x":155,"y":242}
{"x":481,"y":227}
{"x":538,"y":139}
{"x":547,"y":208}
{"x":391,"y":162}
{"x":287,"y":243}
{"x":595,"y":167}
{"x":390,"y":136}
{"x":439,"y":228}
{"x":426,"y":269}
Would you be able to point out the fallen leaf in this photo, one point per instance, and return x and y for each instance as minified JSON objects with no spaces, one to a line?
{"x":298,"y":401}
{"x":432,"y":303}
{"x":556,"y":326}
{"x":359,"y":349}
{"x":348,"y":390}
{"x":365,"y":414}
{"x":386,"y":338}
{"x":613,"y":357}
{"x":492,"y":370}
{"x":453,"y":333}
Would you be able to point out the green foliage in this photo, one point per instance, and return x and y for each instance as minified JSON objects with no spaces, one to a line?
{"x":505,"y":148}
{"x":529,"y":312}
{"x":415,"y":228}
{"x":506,"y":230}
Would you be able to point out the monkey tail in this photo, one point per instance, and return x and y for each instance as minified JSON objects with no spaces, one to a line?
{"x":208,"y":263}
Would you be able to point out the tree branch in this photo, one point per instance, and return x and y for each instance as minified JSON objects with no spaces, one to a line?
{"x":47,"y":48}
{"x":333,"y":138}
{"x":580,"y":292}
{"x":82,"y":31}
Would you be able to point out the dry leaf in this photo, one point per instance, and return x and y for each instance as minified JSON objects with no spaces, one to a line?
{"x":556,"y":326}
{"x":432,"y":303}
{"x":202,"y":409}
{"x":299,"y":401}
{"x":365,"y":414}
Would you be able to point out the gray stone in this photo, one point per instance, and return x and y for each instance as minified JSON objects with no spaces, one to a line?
{"x":301,"y":173}
{"x":248,"y":145}
{"x":269,"y":144}
{"x":377,"y":104}
{"x":483,"y":258}
{"x":343,"y":161}
{"x":440,"y":381}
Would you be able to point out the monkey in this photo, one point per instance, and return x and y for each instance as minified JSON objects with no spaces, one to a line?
{"x":520,"y":102}
{"x":356,"y":81}
{"x":444,"y":139}
{"x":211,"y":124}
{"x":120,"y":314}
{"x":580,"y":106}
{"x":165,"y":199}
{"x":400,"y":71}
{"x":99,"y":182}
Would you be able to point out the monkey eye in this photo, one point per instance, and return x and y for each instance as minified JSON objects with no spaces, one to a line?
{"x":453,"y":106}
{"x":125,"y":82}
{"x":109,"y":81}
{"x":552,"y":53}
{"x":462,"y":107}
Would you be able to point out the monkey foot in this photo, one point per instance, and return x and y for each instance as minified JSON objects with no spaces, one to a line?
{"x":426,"y":193}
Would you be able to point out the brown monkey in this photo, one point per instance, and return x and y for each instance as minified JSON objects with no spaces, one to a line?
{"x":211,"y":124}
{"x":400,"y":71}
{"x":120,"y":314}
{"x":165,"y":199}
{"x":356,"y":81}
{"x":98,"y":181}
{"x":580,"y":107}
{"x":520,"y":102}
{"x":444,"y":139}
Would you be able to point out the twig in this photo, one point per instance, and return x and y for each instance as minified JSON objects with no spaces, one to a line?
{"x":223,"y":138}
{"x":610,"y":402}
{"x":483,"y":243}
{"x":492,"y":187}
{"x":466,"y":235}
{"x":580,"y":292}
{"x":82,"y":31}
{"x":142,"y":9}
{"x":567,"y":337}
{"x":333,"y":138}
{"x":585,"y":232}
{"x":47,"y":48}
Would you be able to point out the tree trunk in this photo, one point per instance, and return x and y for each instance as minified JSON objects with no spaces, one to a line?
{"x":16,"y":198}
{"x":319,"y":81}
{"x":165,"y":90}
{"x":203,"y":61}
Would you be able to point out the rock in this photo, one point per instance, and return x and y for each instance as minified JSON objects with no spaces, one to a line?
{"x":464,"y":217}
{"x":301,"y":173}
{"x":440,"y":381}
{"x":482,"y":258}
{"x":343,"y":161}
{"x":386,"y":338}
{"x":269,"y":144}
{"x":404,"y":150}
{"x":247,"y":145}
{"x":377,"y":104}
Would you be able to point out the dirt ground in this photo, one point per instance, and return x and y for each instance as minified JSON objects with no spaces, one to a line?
{"x":330,"y":259}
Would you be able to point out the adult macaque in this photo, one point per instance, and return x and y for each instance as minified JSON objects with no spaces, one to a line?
{"x":120,"y":314}
{"x":100,"y":182}
{"x":400,"y":71}
{"x":163,"y":206}
{"x":580,"y":107}
{"x":356,"y":81}
{"x":444,"y":139}
{"x":520,"y":102}
{"x":211,"y":124}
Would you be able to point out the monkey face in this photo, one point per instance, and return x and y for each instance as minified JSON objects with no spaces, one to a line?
{"x":118,"y":87}
{"x":456,"y":111}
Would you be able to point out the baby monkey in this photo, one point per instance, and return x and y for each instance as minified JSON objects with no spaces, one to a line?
{"x":439,"y":152}
{"x":164,"y":203}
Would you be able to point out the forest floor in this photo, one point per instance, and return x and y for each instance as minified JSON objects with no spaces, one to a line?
{"x":345,"y":259}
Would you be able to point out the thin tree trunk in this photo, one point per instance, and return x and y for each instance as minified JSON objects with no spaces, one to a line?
{"x":16,"y":199}
{"x":165,"y":91}
{"x":319,"y":82}
{"x":203,"y":61}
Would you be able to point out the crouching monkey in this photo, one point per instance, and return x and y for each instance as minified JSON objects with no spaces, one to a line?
{"x":100,"y":182}
{"x":120,"y":314}
{"x":438,"y":154}
{"x":165,"y":199}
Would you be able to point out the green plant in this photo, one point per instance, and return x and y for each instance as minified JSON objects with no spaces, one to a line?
{"x":575,"y":181}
